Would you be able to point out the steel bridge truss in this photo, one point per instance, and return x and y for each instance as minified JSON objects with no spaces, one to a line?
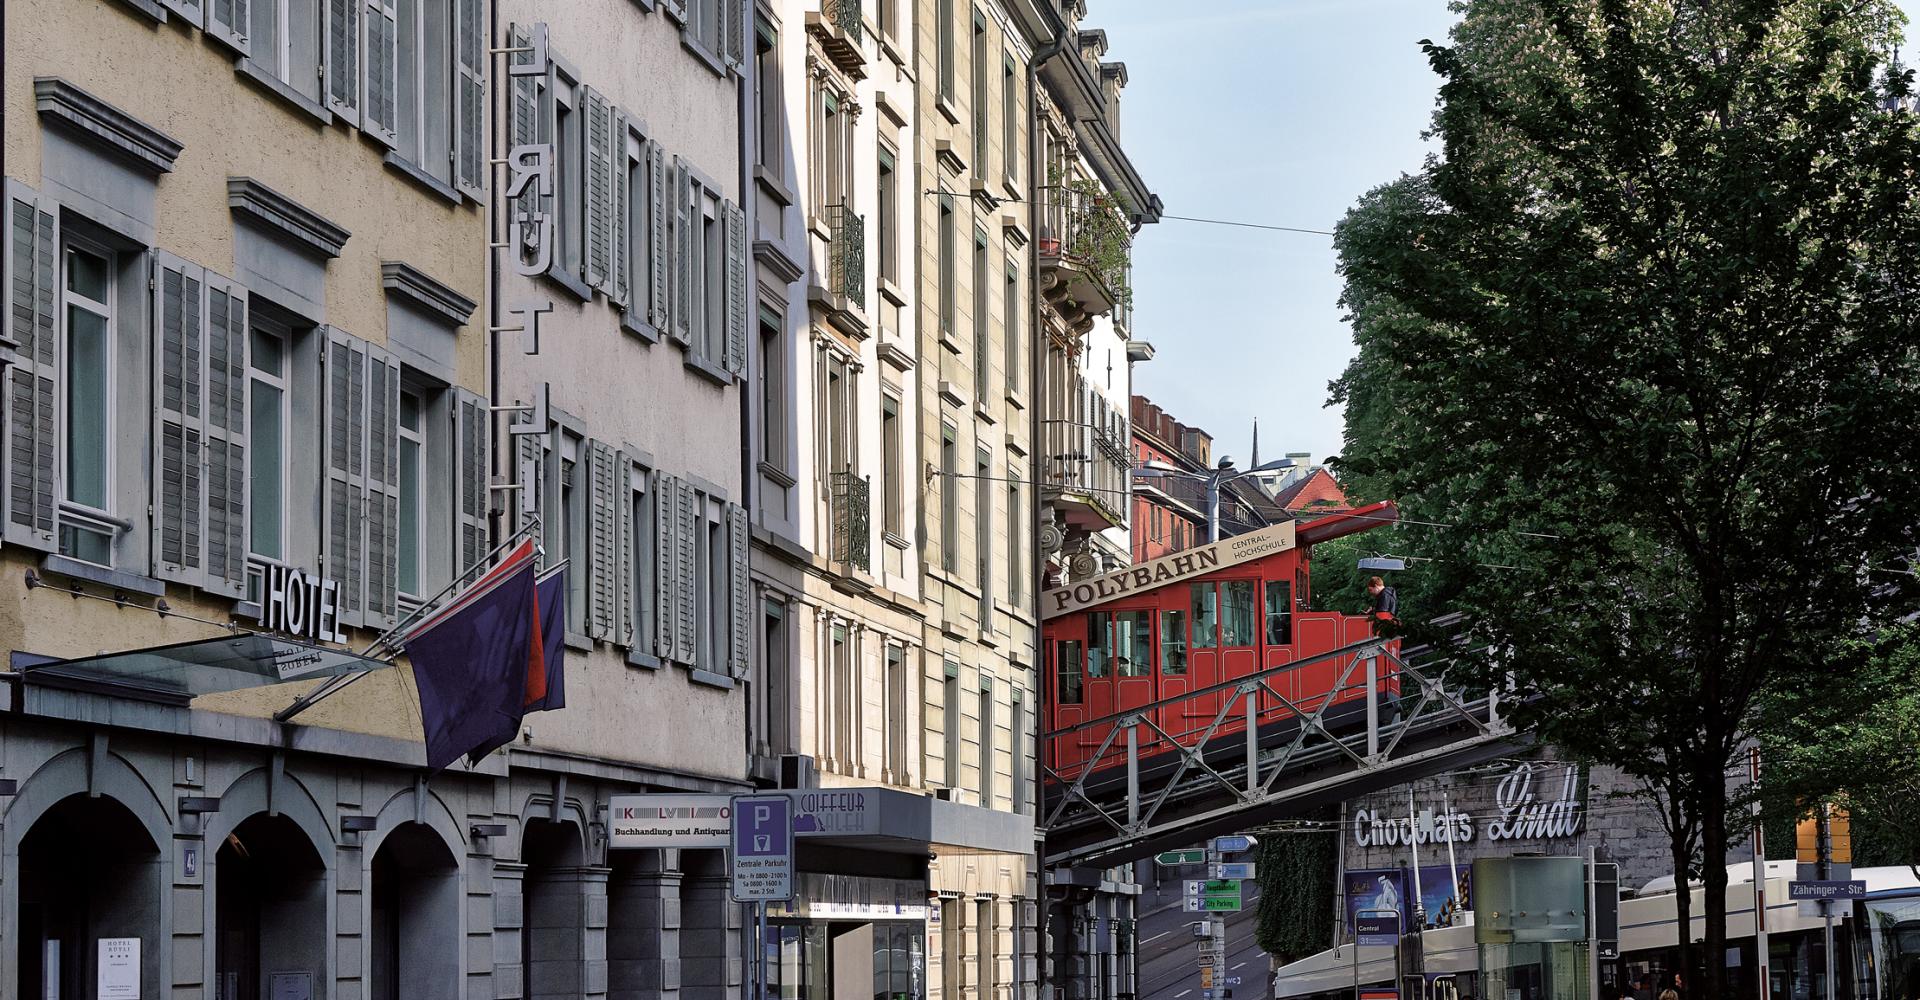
{"x":1183,"y":783}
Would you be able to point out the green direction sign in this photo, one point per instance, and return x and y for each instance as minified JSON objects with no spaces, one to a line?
{"x":1220,"y":887}
{"x":1172,"y":858}
{"x":1221,"y":904}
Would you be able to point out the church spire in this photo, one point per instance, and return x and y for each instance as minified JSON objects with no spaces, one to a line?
{"x":1256,"y":444}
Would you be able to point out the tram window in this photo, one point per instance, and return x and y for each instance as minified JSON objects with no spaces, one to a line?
{"x":1173,"y":643}
{"x":1099,"y":643}
{"x":1067,"y":663}
{"x":1206,"y":616}
{"x":1279,"y":613}
{"x":1236,"y":599}
{"x":1133,"y":643}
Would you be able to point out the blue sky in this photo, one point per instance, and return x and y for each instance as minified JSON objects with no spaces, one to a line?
{"x":1272,"y":111}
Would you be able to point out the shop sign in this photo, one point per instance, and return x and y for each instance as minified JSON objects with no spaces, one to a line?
{"x":1168,"y":569}
{"x":1522,"y":815}
{"x":669,"y":821}
{"x":299,"y":604}
{"x":119,"y":975}
{"x":835,"y":812}
{"x":824,"y":910}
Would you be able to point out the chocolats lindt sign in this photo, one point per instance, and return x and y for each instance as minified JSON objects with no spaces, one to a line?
{"x":1520,"y":800}
{"x":1167,"y":569}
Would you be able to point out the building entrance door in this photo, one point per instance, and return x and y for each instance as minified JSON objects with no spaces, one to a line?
{"x":88,"y":873}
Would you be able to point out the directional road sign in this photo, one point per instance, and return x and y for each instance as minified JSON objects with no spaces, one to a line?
{"x":1172,"y":859}
{"x":1827,"y":889}
{"x":762,"y":847}
{"x":1231,"y":869}
{"x":1213,"y":887}
{"x":1235,"y":844}
{"x":1212,"y":904}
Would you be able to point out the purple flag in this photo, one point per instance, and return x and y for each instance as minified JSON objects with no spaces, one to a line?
{"x":553,"y":638}
{"x":470,"y":663}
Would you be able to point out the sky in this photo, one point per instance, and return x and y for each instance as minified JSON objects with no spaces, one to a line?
{"x":1278,"y":112}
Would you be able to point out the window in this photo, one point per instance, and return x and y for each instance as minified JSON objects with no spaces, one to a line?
{"x":423,"y":126}
{"x":1009,"y":121}
{"x":706,"y":23}
{"x":830,"y":150}
{"x":773,"y":395}
{"x":710,"y":279}
{"x":413,"y":446}
{"x":988,"y":955}
{"x":983,"y":534}
{"x":1017,"y":749}
{"x":645,"y":507}
{"x":1016,"y":532}
{"x":766,"y":98}
{"x":1099,"y":642}
{"x":986,"y":747}
{"x":638,"y":258}
{"x":572,"y":533}
{"x":897,"y":712}
{"x":982,"y":333}
{"x":709,"y":595}
{"x":843,"y":698}
{"x":840,"y":448}
{"x":1066,"y":666}
{"x":1236,"y":600}
{"x":266,"y":478}
{"x":886,"y":15}
{"x":950,"y":712}
{"x":1133,"y":643}
{"x":776,"y":674}
{"x":1206,"y":616}
{"x":949,"y":500}
{"x":284,"y":40}
{"x":86,"y":529}
{"x":1279,"y":613}
{"x":943,"y":19}
{"x":569,"y":177}
{"x":979,"y":69}
{"x":1011,"y":331}
{"x":1173,"y":643}
{"x":886,"y":213}
{"x":891,"y":443}
{"x":947,"y":295}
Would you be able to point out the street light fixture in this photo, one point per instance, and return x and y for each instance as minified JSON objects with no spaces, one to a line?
{"x":1213,"y":479}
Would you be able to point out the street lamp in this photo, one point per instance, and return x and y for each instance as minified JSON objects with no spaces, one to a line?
{"x":1213,"y":479}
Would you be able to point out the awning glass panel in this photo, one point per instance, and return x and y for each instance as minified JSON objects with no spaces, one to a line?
{"x":204,"y":666}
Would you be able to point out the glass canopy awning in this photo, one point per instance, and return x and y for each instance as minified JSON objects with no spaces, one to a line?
{"x":182,"y":671}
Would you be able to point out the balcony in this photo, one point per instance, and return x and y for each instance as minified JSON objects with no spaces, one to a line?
{"x":850,"y":542}
{"x":844,"y":296}
{"x":1087,"y":461}
{"x":1086,"y":247}
{"x":837,"y":25}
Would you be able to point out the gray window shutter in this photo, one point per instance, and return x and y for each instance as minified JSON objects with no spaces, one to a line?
{"x":471,"y":423}
{"x":382,"y":489}
{"x":469,"y":97}
{"x":681,"y":195}
{"x":227,"y":21}
{"x":599,"y":195}
{"x":33,"y":432}
{"x":676,"y":9}
{"x":382,"y":67}
{"x":736,"y":355}
{"x":618,"y":288}
{"x":342,"y":58}
{"x":226,"y":437}
{"x":739,"y":590}
{"x":603,"y":530}
{"x":734,"y":14}
{"x":686,"y":576}
{"x":179,"y":392}
{"x":623,"y":568}
{"x":345,"y":434}
{"x":666,"y":492}
{"x":528,"y":125}
{"x":187,"y":9}
{"x":531,"y":449}
{"x":658,"y":294}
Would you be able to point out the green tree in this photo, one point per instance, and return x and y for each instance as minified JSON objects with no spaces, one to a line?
{"x":1638,"y":336}
{"x":1296,"y":872}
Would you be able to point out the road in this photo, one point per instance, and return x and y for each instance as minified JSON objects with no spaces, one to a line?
{"x":1169,"y":954}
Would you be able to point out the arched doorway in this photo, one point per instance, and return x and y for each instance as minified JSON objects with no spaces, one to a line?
{"x":414,"y":947}
{"x":88,"y":871}
{"x":270,"y":909}
{"x":553,"y":929}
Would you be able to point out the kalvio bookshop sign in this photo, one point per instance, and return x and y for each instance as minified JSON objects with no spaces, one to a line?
{"x":656,"y":821}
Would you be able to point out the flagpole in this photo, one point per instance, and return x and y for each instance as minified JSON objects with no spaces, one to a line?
{"x":334,"y":685}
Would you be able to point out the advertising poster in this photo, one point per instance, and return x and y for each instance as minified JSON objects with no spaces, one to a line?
{"x":1392,"y":889}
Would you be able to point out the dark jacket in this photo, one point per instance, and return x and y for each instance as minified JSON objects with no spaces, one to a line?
{"x":1387,"y":602}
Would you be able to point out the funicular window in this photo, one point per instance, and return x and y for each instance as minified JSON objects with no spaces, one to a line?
{"x":1300,"y":591}
{"x":1206,"y":616}
{"x":1099,"y":643}
{"x":1279,"y":613}
{"x":1173,"y":643}
{"x":1067,"y":664}
{"x":1237,"y":620}
{"x":1133,"y":643}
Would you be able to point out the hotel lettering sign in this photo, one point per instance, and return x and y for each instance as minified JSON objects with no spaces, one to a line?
{"x":300,"y":604}
{"x":1167,"y":569}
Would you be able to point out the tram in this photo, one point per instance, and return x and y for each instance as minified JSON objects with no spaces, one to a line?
{"x":1876,"y":948}
{"x":1167,"y":636}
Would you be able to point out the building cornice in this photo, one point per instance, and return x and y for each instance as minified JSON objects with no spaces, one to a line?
{"x":104,"y":126}
{"x":259,"y":203}
{"x":408,"y":282}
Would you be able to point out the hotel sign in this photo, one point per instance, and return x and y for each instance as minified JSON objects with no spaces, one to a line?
{"x":300,"y":604}
{"x":1167,"y":569}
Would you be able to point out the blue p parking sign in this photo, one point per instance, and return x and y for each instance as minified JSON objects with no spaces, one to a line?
{"x":762,"y":847}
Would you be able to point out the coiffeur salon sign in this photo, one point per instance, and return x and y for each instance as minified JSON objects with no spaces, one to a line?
{"x":1168,"y":569}
{"x":1525,"y":813}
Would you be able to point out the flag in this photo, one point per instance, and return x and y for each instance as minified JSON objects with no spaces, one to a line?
{"x":471,"y":661}
{"x":551,"y":597}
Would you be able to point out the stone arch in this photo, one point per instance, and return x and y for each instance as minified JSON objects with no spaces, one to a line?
{"x":296,"y":924}
{"x":413,"y":907}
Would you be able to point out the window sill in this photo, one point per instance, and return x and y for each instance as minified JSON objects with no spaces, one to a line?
{"x":891,"y":48}
{"x":1012,"y":187}
{"x":710,"y":679}
{"x":643,"y":661}
{"x":579,"y":641}
{"x":983,"y":411}
{"x":711,"y":61}
{"x":283,"y":90}
{"x":948,"y":341}
{"x":778,"y":475}
{"x":153,"y":11}
{"x":895,"y":540}
{"x":716,"y":374}
{"x":119,"y":580}
{"x":630,"y":322}
{"x":817,"y":228}
{"x":406,"y":168}
{"x":775,"y":187}
{"x":1015,"y":400}
{"x":943,"y":103}
{"x":890,"y":291}
{"x":571,"y":285}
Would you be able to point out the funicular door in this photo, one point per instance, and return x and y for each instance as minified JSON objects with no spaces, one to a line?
{"x":1225,"y":644}
{"x":1239,"y":645}
{"x":1120,"y":666}
{"x":1067,"y":660}
{"x":1276,"y":647}
{"x":1315,"y":634}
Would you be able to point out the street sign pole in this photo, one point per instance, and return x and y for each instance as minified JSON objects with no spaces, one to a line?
{"x":1826,"y":906}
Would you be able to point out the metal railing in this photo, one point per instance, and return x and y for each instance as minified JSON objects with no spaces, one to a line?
{"x":1088,"y":229}
{"x":1087,"y":443}
{"x":850,"y":519}
{"x":843,"y":14}
{"x":847,"y":252}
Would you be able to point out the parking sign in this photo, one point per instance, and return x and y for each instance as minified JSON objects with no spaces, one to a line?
{"x":762,"y":847}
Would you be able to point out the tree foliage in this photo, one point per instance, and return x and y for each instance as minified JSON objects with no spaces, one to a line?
{"x":1641,"y":337}
{"x":1296,"y":873}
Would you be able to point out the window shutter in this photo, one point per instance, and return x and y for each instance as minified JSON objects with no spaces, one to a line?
{"x":658,"y":294}
{"x":33,"y":433}
{"x":666,"y":493}
{"x":736,"y":354}
{"x":179,"y":392}
{"x":471,"y":422}
{"x":603,"y":529}
{"x":598,"y":138}
{"x":188,"y":9}
{"x":682,"y":199}
{"x":686,"y":576}
{"x":623,"y":568}
{"x":733,"y":31}
{"x":226,"y":437}
{"x":345,"y":433}
{"x":382,"y":60}
{"x":527,"y":125}
{"x":531,"y":448}
{"x":676,"y":9}
{"x":227,"y":21}
{"x":342,"y":58}
{"x":383,"y":489}
{"x":737,"y":547}
{"x":469,"y":97}
{"x":618,"y":289}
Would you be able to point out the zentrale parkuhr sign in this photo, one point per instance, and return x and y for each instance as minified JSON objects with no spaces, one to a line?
{"x":1167,"y":569}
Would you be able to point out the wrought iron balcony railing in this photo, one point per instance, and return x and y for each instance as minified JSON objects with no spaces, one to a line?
{"x":843,"y":14}
{"x":850,"y":518}
{"x":847,"y":253}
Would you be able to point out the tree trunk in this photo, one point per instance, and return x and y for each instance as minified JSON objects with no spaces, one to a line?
{"x":1682,"y":849}
{"x":1713,"y":869}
